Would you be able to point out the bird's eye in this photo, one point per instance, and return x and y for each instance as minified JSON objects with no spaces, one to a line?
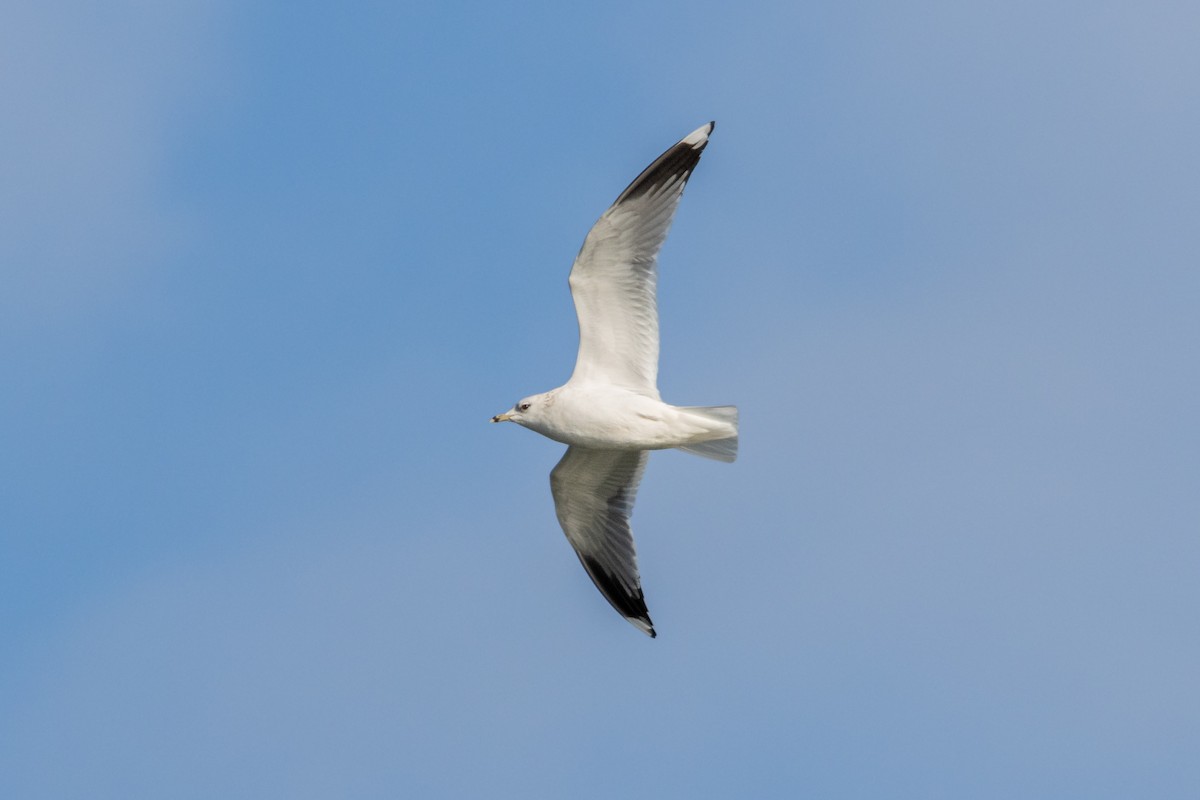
{"x":522,"y":406}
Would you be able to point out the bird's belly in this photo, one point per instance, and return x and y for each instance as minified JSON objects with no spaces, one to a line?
{"x":635,"y":424}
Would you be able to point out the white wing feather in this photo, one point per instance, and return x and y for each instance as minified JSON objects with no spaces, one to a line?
{"x":615,"y":275}
{"x":593,"y":493}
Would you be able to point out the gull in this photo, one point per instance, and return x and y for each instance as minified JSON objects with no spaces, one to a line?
{"x":609,"y":414}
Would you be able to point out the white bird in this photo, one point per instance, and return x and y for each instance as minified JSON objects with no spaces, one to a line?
{"x":609,"y":412}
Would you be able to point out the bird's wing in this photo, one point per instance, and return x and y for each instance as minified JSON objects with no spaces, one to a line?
{"x":614,"y":276}
{"x":593,"y":497}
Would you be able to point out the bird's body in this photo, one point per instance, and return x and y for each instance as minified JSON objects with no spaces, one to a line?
{"x":609,"y":412}
{"x":609,"y":417}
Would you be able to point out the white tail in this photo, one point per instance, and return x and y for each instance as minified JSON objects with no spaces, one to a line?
{"x":722,"y":447}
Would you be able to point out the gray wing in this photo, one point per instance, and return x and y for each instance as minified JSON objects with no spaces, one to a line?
{"x":593,"y":497}
{"x":614,"y":277}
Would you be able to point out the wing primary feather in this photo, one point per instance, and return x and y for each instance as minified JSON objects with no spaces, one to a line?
{"x":629,"y":604}
{"x":678,"y":162}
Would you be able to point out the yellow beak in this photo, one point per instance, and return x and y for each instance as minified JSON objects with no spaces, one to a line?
{"x":502,"y":417}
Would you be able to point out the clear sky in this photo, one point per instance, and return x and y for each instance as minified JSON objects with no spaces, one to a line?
{"x":268,"y":268}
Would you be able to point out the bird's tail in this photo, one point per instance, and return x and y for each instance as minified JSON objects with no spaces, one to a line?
{"x":723,"y":421}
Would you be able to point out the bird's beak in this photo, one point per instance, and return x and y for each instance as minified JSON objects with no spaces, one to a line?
{"x":502,"y":417}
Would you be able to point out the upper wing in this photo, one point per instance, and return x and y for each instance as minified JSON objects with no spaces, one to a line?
{"x":614,"y":276}
{"x":593,"y":497}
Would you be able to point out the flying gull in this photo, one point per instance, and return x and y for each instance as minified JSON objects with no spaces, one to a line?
{"x":609,"y":413}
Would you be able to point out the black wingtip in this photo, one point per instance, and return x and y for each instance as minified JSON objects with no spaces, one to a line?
{"x":676,"y":163}
{"x":630,"y":604}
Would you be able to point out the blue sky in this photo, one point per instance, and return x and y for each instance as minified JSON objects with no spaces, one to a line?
{"x":269,"y":268}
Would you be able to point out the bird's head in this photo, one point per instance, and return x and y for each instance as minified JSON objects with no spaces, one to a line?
{"x":528,"y":411}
